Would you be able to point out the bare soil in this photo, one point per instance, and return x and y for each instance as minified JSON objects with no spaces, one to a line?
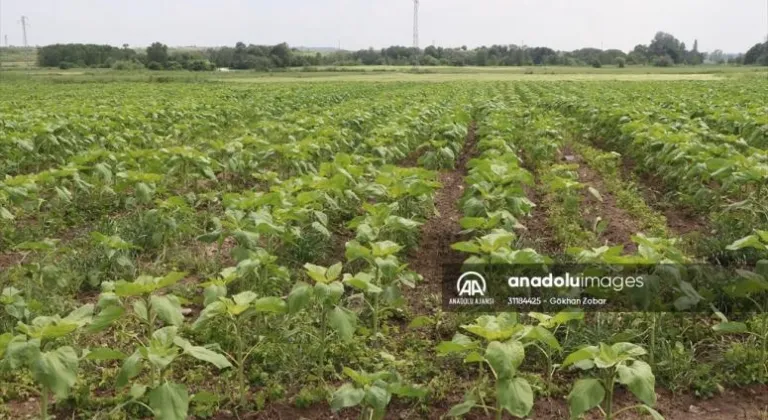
{"x":434,"y":253}
{"x":620,"y":224}
{"x":680,"y":220}
{"x":749,"y":403}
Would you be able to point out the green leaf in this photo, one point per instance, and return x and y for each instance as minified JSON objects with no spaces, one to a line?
{"x":169,"y":401}
{"x":545,"y":336}
{"x":137,"y":391}
{"x":299,"y":297}
{"x":639,"y":378}
{"x":731,"y":327}
{"x":515,"y":395}
{"x":606,"y":356}
{"x":505,"y":358}
{"x":408,"y":391}
{"x":377,"y":397}
{"x":355,"y":251}
{"x":207,"y":355}
{"x":346,"y":396}
{"x":751,"y":241}
{"x":316,"y":273}
{"x":421,"y":321}
{"x":585,"y":395}
{"x":333,"y":272}
{"x":460,"y":409}
{"x":167,"y":308}
{"x":654,"y":414}
{"x":105,"y":318}
{"x":343,"y":321}
{"x":56,"y":370}
{"x":271,"y":304}
{"x":362,"y":281}
{"x":103,"y":353}
{"x":209,"y":312}
{"x":5,"y":214}
{"x":130,"y":368}
{"x":385,"y":248}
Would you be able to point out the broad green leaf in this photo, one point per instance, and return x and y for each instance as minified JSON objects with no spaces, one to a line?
{"x":421,"y":321}
{"x":167,"y":308}
{"x":505,"y":358}
{"x":408,"y":391}
{"x":105,"y":318}
{"x":385,"y":248}
{"x":654,"y":414}
{"x":130,"y":368}
{"x":515,"y":395}
{"x":56,"y":370}
{"x":207,"y":355}
{"x":343,"y":321}
{"x":585,"y":395}
{"x":731,"y":327}
{"x":299,"y":297}
{"x":580,"y":355}
{"x":270,"y":304}
{"x":751,"y":241}
{"x":639,"y":378}
{"x":137,"y":391}
{"x":209,"y":312}
{"x":333,"y":272}
{"x":460,"y":409}
{"x":356,"y":251}
{"x":316,"y":273}
{"x":377,"y":397}
{"x":346,"y":396}
{"x":169,"y":401}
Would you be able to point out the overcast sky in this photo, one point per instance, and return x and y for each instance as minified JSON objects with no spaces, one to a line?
{"x":730,"y":25}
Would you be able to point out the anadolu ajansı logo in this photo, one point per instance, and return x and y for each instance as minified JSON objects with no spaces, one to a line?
{"x":471,"y":288}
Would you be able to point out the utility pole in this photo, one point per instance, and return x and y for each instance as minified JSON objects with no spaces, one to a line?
{"x":24,"y":23}
{"x":6,"y":40}
{"x":416,"y":24}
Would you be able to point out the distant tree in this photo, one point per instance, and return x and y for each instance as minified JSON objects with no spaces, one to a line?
{"x":158,"y":53}
{"x":716,"y":56}
{"x":664,"y":44}
{"x":621,"y":62}
{"x":694,"y":57}
{"x":664,"y":61}
{"x":596,"y":63}
{"x":154,"y":65}
{"x":758,"y":54}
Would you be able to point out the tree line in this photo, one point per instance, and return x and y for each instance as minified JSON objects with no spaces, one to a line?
{"x":663,"y":50}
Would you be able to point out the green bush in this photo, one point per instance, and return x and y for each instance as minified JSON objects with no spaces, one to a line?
{"x":64,"y":65}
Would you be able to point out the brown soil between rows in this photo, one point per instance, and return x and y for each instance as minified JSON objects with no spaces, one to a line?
{"x":434,"y":254}
{"x":620,"y":224}
{"x":681,"y":221}
{"x":750,"y":403}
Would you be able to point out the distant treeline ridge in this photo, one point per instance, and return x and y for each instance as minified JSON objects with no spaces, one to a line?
{"x":664,"y":50}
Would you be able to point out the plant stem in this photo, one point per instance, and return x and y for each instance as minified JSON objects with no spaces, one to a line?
{"x":323,"y":332}
{"x":44,"y":403}
{"x":150,"y":331}
{"x":609,"y":399}
{"x":653,"y":339}
{"x":240,"y":366}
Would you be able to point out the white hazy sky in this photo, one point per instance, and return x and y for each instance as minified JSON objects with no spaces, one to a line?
{"x":730,"y":25}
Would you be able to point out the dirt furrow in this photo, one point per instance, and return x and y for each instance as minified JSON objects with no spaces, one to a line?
{"x":619,"y":225}
{"x":434,"y":253}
